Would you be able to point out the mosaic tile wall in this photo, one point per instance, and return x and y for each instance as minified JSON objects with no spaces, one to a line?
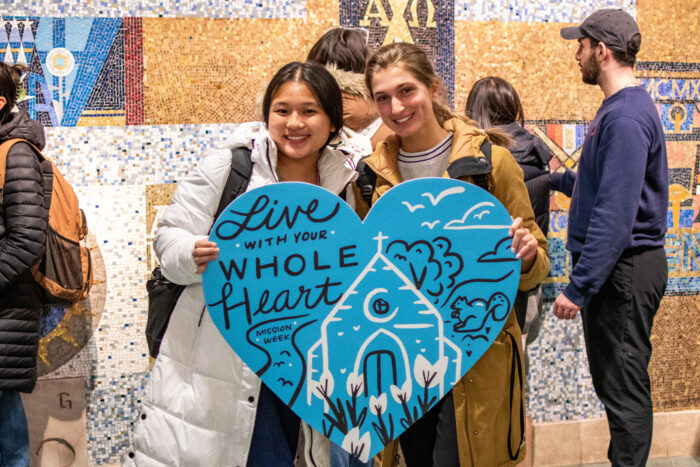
{"x":133,"y":94}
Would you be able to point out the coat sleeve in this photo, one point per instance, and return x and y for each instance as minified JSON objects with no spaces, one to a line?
{"x":564,"y":181}
{"x":189,"y":218}
{"x":511,"y":191}
{"x":25,"y":217}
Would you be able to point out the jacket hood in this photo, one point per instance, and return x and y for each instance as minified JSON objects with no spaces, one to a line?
{"x":527,"y":148}
{"x":349,"y":82}
{"x":21,"y":126}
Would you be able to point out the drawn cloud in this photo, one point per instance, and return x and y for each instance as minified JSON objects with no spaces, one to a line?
{"x":501,"y":253}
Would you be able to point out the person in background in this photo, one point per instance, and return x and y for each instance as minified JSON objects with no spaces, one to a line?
{"x":617,"y":231}
{"x":344,"y":52}
{"x":23,"y":226}
{"x":494,"y":103}
{"x":480,"y":422}
{"x":203,"y":405}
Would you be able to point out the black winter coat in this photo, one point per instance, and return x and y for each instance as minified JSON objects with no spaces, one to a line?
{"x":533,"y":156}
{"x":23,"y":227}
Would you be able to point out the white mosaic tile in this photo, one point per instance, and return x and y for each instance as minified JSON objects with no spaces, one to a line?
{"x":156,"y":8}
{"x":133,"y":155}
{"x":116,"y":216}
{"x":538,"y":11}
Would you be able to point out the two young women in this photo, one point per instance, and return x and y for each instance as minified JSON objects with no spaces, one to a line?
{"x":203,"y":405}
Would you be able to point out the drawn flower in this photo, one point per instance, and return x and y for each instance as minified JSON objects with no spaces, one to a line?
{"x":402,"y":394}
{"x":428,"y":375}
{"x":356,"y":445}
{"x":377,"y":405}
{"x":327,"y":382}
{"x":354,"y":384}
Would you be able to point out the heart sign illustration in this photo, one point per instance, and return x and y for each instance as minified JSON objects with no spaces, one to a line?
{"x":361,"y":327}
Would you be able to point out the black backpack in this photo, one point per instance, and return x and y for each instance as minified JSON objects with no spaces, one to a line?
{"x":164,"y":294}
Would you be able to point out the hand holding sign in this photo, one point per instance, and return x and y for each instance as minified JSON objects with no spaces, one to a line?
{"x":362,"y":327}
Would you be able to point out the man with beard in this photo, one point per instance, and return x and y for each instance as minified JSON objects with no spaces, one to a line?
{"x":616,"y":232}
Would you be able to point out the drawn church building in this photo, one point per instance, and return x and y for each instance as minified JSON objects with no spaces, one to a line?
{"x":381,"y":320}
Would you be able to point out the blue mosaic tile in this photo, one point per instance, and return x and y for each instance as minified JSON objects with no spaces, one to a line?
{"x":108,"y":91}
{"x":559,"y":385}
{"x":432,"y":28}
{"x":113,"y":405}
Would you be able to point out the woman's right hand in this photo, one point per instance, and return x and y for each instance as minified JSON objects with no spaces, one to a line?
{"x":203,"y":252}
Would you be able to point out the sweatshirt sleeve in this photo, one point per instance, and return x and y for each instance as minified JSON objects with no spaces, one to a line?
{"x":563,"y":181}
{"x":25,"y":217}
{"x":620,"y":169}
{"x":511,"y":191}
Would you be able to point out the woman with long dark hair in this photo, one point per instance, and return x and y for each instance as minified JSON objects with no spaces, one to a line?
{"x":344,"y":52}
{"x":203,"y":405}
{"x":494,"y":103}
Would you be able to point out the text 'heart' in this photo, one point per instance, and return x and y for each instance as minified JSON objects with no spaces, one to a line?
{"x":362,"y":327}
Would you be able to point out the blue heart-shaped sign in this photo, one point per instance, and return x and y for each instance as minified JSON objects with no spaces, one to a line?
{"x":362,"y":327}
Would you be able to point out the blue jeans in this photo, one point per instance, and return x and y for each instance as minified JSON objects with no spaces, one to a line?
{"x":14,"y":434}
{"x":341,"y":458}
{"x":275,"y":433}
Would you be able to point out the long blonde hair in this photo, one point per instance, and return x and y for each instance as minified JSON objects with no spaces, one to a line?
{"x":411,"y":58}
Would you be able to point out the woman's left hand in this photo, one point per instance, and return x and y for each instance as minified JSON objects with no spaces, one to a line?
{"x":524,"y":243}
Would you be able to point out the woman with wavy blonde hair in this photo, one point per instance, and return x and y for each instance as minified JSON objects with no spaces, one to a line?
{"x":480,"y":421}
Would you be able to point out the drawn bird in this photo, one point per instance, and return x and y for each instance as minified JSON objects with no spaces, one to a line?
{"x":482,"y":213}
{"x":413,"y":207}
{"x":284,"y":382}
{"x":450,"y":191}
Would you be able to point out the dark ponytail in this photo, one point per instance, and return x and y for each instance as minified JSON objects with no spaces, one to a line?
{"x":10,"y":76}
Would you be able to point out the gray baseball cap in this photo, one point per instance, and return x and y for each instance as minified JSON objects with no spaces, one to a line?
{"x":614,"y":28}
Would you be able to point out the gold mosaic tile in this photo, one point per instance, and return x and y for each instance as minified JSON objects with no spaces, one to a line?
{"x":670,"y":30}
{"x":675,"y":362}
{"x":157,"y":199}
{"x":534,"y":58}
{"x":681,"y":154}
{"x":200,"y":70}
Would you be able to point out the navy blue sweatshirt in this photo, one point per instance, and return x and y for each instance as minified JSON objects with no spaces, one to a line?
{"x":619,"y":197}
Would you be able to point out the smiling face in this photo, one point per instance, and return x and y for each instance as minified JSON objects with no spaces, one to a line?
{"x":404,"y":103}
{"x":297,"y":123}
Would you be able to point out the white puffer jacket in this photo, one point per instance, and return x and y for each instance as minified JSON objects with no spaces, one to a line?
{"x":201,"y":399}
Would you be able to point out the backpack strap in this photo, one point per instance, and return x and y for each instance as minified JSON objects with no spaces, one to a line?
{"x":4,"y":149}
{"x":45,"y":164}
{"x":366,"y":181}
{"x":478,"y":168}
{"x":238,"y":177}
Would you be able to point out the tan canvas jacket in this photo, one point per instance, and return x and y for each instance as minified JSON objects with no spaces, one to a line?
{"x":488,"y":407}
